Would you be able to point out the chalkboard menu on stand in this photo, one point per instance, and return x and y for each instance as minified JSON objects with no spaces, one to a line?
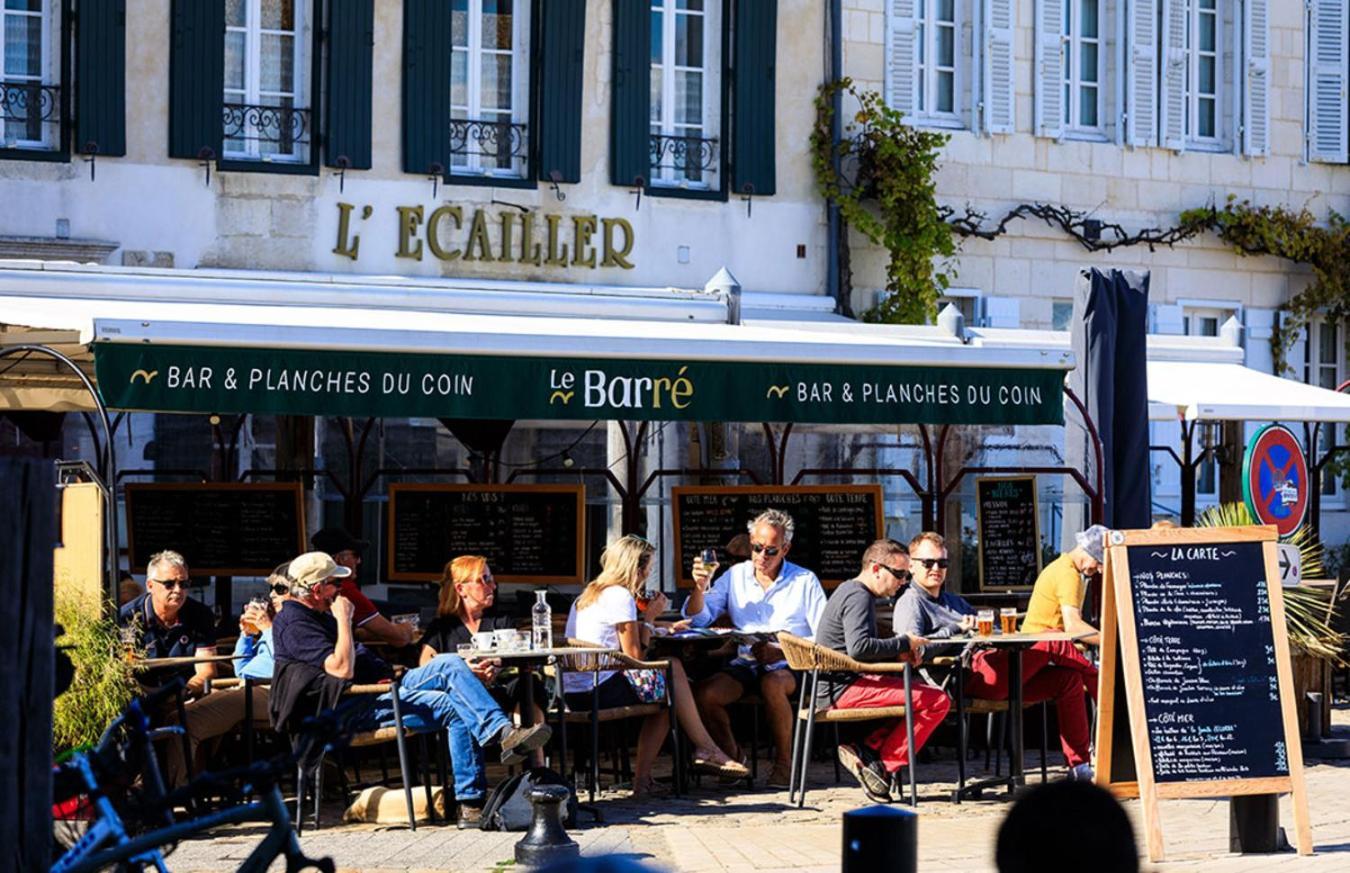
{"x":1195,"y":617}
{"x":1009,"y":531}
{"x":528,"y":533}
{"x":222,"y":529}
{"x":834,"y":524}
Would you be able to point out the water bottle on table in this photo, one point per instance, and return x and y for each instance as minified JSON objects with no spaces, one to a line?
{"x":541,"y":622}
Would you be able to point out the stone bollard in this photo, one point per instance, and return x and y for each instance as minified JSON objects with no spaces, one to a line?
{"x":881,"y":838}
{"x":546,"y":841}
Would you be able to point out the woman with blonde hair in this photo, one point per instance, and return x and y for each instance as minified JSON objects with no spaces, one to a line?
{"x":606,"y":614}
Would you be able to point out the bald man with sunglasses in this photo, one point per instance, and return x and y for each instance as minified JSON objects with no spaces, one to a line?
{"x":930,"y":611}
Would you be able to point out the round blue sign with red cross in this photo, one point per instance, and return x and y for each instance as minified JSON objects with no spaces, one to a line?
{"x":1275,"y":479}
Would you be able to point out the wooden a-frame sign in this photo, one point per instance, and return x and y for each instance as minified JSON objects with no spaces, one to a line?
{"x":1190,"y":707}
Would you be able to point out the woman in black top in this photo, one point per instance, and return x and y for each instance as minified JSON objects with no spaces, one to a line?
{"x":467,"y":592}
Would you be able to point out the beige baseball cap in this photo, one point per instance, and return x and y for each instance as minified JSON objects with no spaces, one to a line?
{"x":314,"y":567}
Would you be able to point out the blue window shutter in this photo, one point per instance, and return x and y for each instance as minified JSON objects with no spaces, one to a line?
{"x":631,"y":113}
{"x":351,"y":37}
{"x":196,"y":77}
{"x":100,"y":77}
{"x":754,"y":63}
{"x":426,"y":86}
{"x":562,"y":53}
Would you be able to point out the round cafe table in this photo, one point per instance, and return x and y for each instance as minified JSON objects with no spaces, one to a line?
{"x":530,"y":660}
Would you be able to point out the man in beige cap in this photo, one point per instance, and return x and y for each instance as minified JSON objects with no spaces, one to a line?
{"x":315,"y":628}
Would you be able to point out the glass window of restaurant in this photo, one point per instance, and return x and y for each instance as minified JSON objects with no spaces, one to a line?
{"x":266,"y":111}
{"x":686,"y":89}
{"x":489,"y":88}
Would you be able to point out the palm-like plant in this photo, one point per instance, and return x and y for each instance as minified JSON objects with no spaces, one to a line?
{"x":1307,"y":611}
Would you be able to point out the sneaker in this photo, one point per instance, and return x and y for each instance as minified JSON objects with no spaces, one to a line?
{"x":518,"y":740}
{"x":470,"y":817}
{"x":1082,"y":773}
{"x":870,"y":775}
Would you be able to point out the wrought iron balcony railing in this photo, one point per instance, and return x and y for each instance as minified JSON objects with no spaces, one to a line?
{"x":499,"y":142}
{"x":30,"y":113}
{"x":682,"y":157}
{"x":265,"y":130}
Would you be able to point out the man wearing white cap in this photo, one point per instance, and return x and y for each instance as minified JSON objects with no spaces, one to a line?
{"x":316,"y":629}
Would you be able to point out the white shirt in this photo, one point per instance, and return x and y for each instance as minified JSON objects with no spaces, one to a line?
{"x":793,"y":603}
{"x":597,"y":623}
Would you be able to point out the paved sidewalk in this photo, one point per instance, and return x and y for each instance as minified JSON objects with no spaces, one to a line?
{"x":742,"y":831}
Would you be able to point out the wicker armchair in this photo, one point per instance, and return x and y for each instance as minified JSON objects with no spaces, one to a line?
{"x":395,"y":733}
{"x":812,"y":659}
{"x":597,"y":715}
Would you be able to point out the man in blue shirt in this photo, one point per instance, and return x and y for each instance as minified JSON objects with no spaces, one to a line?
{"x":315,"y":628}
{"x":765,"y":594}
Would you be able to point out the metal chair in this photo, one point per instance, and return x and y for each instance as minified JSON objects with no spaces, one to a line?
{"x":597,"y":715}
{"x":810,"y":659}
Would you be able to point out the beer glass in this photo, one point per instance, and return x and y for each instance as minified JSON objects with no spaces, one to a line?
{"x":127,"y":635}
{"x":1007,"y":617}
{"x":259,"y":601}
{"x":984,"y":622}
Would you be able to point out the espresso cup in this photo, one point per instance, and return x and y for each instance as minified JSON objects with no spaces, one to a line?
{"x":482,"y":641}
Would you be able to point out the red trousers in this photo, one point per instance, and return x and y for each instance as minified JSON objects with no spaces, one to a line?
{"x":1050,"y":671}
{"x":889,"y":741}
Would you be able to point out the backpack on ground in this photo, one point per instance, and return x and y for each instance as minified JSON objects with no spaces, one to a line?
{"x":507,"y":808}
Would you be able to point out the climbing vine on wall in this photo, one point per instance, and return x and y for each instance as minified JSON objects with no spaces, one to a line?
{"x":881,"y":177}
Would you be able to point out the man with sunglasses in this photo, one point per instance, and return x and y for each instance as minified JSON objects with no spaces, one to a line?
{"x":849,"y":626}
{"x":765,"y":594}
{"x":169,"y":624}
{"x":931,"y":611}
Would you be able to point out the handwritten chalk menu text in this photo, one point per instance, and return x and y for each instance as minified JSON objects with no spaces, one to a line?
{"x":222,"y":529}
{"x":1010,"y":540}
{"x":528,"y":533}
{"x":834,"y":524}
{"x":1207,"y":659}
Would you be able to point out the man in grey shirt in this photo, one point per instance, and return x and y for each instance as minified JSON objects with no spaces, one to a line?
{"x":849,"y":626}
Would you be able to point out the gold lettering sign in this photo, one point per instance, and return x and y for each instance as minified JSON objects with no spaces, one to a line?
{"x":449,"y":233}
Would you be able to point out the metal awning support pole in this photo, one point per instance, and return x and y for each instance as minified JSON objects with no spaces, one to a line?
{"x":107,"y":459}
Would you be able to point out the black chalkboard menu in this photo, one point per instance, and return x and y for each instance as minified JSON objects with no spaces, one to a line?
{"x":833,"y":524}
{"x":222,"y":529}
{"x":1009,"y":532}
{"x":1207,"y":660}
{"x":528,"y":533}
{"x":1195,"y":620}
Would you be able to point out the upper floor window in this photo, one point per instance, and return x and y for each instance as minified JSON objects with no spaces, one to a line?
{"x":266,"y":111}
{"x":489,"y":88}
{"x":936,"y":29}
{"x":1061,"y":314}
{"x":1082,"y":61}
{"x":1324,"y":367}
{"x":30,"y":105}
{"x":1204,"y":71}
{"x":686,"y":88}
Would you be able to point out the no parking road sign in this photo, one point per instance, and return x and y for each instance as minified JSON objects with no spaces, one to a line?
{"x":1275,"y":479}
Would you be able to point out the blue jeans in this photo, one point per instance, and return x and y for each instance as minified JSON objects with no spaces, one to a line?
{"x":445,"y":693}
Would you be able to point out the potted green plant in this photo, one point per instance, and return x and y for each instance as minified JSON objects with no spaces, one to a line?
{"x":104,"y":683}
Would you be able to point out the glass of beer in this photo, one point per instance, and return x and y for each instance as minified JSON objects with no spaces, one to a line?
{"x":1007,"y":618}
{"x":127,"y":636}
{"x":984,"y":622}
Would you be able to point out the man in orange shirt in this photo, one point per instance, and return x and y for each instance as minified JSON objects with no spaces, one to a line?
{"x":1057,"y":603}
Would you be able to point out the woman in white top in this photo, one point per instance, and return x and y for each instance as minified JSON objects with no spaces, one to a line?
{"x":606,"y":613}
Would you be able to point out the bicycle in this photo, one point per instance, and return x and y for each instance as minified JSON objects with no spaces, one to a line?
{"x":108,"y":843}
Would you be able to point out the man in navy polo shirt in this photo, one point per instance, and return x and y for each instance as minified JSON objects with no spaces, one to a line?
{"x":315,"y":628}
{"x":170,"y":624}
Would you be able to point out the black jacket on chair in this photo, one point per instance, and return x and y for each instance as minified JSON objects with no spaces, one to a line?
{"x":300,"y":691}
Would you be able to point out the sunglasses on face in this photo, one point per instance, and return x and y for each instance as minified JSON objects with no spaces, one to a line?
{"x":771,"y":551}
{"x":930,"y":563}
{"x":902,"y":575}
{"x":280,"y":588}
{"x":171,"y":583}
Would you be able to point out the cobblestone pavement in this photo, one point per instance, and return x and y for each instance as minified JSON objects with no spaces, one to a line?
{"x":740,"y":831}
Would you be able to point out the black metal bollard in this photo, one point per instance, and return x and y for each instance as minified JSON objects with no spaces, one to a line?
{"x":881,"y":838}
{"x":546,"y":841}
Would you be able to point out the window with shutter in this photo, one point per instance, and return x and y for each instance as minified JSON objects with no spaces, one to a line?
{"x":30,"y":77}
{"x":686,"y":94}
{"x":266,"y":110}
{"x":1201,"y":38}
{"x":489,"y":88}
{"x":1326,"y":92}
